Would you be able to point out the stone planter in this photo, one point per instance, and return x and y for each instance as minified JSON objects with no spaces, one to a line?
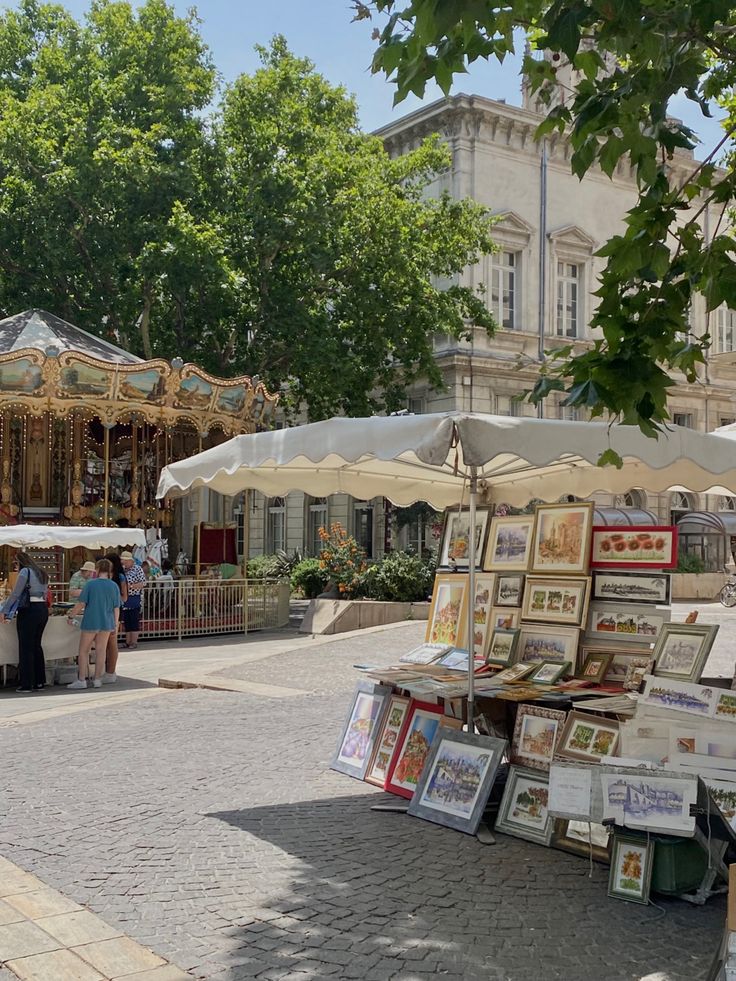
{"x":704,"y":586}
{"x":328,"y":616}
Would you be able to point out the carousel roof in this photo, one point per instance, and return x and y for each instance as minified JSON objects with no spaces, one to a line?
{"x":41,"y":330}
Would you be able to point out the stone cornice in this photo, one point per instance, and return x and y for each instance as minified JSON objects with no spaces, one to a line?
{"x":476,"y":120}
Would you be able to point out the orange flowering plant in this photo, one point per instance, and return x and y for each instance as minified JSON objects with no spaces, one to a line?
{"x":341,"y":558}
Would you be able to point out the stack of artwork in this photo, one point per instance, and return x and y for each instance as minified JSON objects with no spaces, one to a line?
{"x":412,"y":749}
{"x":556,"y":598}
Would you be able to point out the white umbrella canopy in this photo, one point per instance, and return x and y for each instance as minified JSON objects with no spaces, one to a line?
{"x":69,"y":536}
{"x":430,"y":457}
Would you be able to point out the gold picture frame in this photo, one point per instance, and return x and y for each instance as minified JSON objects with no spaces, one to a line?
{"x":561,"y":542}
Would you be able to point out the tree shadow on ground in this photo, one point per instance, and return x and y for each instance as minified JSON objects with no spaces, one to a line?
{"x":348,"y":892}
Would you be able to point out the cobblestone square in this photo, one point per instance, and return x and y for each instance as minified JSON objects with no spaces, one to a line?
{"x":207,"y":826}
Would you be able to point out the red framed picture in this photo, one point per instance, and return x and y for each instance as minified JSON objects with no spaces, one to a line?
{"x":634,"y":547}
{"x":419,"y":729}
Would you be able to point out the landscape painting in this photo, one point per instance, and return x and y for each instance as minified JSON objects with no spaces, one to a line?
{"x":508,"y":590}
{"x":632,"y":587}
{"x":419,"y":729}
{"x":454,"y":550}
{"x":656,"y":802}
{"x":359,"y":731}
{"x":482,"y":613}
{"x":503,"y":647}
{"x":626,"y":623}
{"x":536,"y":734}
{"x":509,"y":543}
{"x":552,"y":600}
{"x":20,"y":376}
{"x":457,"y":779}
{"x":446,"y":623}
{"x":562,"y":538}
{"x":680,"y":696}
{"x":724,"y":794}
{"x":523,"y":810}
{"x":548,"y":643}
{"x":682,"y":650}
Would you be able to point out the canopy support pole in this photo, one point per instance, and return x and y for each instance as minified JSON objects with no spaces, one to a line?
{"x":106,"y":506}
{"x":471,"y":600}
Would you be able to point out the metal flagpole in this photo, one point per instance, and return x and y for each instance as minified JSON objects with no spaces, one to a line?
{"x":471,"y":600}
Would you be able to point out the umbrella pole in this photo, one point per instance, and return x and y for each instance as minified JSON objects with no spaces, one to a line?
{"x":471,"y":601}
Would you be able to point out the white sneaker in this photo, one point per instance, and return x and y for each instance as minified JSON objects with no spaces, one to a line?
{"x":109,"y":679}
{"x":78,"y":684}
{"x":97,"y":682}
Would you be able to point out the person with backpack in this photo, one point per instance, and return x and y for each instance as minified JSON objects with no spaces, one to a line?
{"x":28,"y":601}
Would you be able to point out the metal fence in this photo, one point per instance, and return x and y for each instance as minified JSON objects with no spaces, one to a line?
{"x":198,"y":607}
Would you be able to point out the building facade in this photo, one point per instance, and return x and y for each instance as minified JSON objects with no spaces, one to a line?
{"x":540,"y":287}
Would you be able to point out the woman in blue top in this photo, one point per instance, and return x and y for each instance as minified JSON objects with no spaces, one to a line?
{"x":100,"y":600}
{"x":31,"y":621}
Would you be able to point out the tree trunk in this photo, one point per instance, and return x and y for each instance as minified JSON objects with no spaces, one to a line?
{"x":145,"y":326}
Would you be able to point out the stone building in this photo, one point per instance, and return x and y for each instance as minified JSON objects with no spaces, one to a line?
{"x":539,"y":285}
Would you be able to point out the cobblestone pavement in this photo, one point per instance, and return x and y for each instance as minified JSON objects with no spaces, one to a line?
{"x":208,"y":826}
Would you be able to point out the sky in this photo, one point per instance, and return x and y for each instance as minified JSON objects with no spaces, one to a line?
{"x":322,"y":30}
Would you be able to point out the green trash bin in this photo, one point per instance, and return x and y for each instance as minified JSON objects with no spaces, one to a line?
{"x":679,"y":864}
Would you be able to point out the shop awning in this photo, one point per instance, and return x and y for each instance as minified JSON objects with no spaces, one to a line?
{"x":69,"y":536}
{"x":707,"y":523}
{"x":430,"y":458}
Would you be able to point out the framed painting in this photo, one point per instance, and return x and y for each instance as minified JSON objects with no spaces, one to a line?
{"x":548,"y":643}
{"x":523,"y":811}
{"x":536,"y":734}
{"x":515,"y":673}
{"x":582,"y":838}
{"x":505,"y":618}
{"x":630,"y":624}
{"x":621,"y":658}
{"x":360,"y":729}
{"x":386,"y":739}
{"x":631,"y":868}
{"x":595,"y":667}
{"x":420,"y":726}
{"x":562,"y":538}
{"x":636,"y":671}
{"x":548,"y":672}
{"x":503,"y":647}
{"x":682,"y":650}
{"x":680,"y":696}
{"x":454,"y":552}
{"x":447,"y":623}
{"x":588,"y":737}
{"x":653,"y":588}
{"x":637,"y":546}
{"x":509,"y":590}
{"x":457,"y":778}
{"x":509,"y":543}
{"x":482,"y":612}
{"x":552,"y":600}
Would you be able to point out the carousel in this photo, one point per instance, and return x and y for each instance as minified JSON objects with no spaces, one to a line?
{"x":86,"y":428}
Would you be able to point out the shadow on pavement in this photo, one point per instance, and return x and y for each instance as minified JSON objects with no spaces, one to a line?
{"x":122,"y":684}
{"x":383,"y":895}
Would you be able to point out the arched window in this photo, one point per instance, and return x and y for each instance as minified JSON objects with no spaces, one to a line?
{"x":633,"y":498}
{"x":680,"y":504}
{"x":727,"y":503}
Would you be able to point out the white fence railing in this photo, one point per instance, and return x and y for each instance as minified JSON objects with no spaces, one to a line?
{"x":197,"y":607}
